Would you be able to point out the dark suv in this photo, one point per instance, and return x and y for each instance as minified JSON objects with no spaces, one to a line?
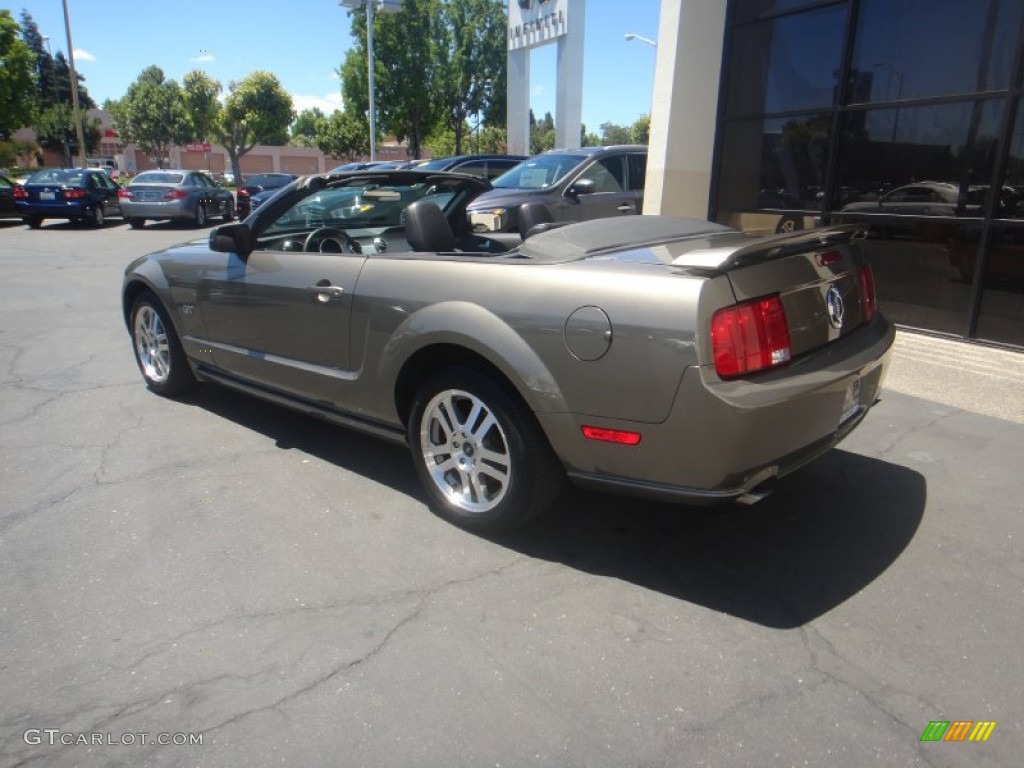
{"x":575,"y":184}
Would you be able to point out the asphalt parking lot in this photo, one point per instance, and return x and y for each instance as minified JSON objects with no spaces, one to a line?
{"x":224,"y":568}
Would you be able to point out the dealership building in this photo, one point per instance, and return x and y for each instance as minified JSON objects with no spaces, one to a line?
{"x":774,"y":115}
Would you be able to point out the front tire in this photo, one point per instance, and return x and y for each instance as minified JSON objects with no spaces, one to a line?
{"x":158,"y":351}
{"x":479,"y":452}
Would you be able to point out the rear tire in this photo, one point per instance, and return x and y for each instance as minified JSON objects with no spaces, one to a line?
{"x":34,"y":222}
{"x":96,"y":216}
{"x":480,"y":453}
{"x":200,"y":216}
{"x":136,"y":223}
{"x":158,"y":351}
{"x":229,"y":211}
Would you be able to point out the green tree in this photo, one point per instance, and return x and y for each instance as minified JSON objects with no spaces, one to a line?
{"x":542,"y":134}
{"x":405,"y":70}
{"x":303,"y":130}
{"x":152,"y":114}
{"x":54,"y":126}
{"x":616,"y":134}
{"x":471,"y":64}
{"x":343,"y":134}
{"x":641,"y":130}
{"x":257,"y":110}
{"x":62,"y":73}
{"x":17,"y":84}
{"x":200,"y":92}
{"x":42,"y":65}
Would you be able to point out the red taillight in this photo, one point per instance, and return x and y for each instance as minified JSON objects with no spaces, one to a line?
{"x":73,"y":194}
{"x":176,"y":194}
{"x":867,"y":292}
{"x":750,"y":337}
{"x":243,"y":193}
{"x":611,"y":435}
{"x":125,"y":194}
{"x":20,"y":193}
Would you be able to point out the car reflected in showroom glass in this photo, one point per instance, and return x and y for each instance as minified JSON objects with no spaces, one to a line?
{"x":895,"y":115}
{"x":508,"y":364}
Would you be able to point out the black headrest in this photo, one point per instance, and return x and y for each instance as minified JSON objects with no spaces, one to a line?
{"x":533,"y":215}
{"x":427,"y":229}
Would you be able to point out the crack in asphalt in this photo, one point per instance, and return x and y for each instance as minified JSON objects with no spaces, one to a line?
{"x":421,"y":597}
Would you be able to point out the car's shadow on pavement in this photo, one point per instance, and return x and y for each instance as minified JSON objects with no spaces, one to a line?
{"x":825,"y":533}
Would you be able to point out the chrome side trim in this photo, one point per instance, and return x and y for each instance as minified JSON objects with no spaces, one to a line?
{"x":319,"y":370}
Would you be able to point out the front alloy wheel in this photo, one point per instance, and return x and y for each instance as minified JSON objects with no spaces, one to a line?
{"x":480,"y":453}
{"x":158,"y":352}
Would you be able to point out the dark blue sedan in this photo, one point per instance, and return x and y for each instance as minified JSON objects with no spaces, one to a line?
{"x":76,"y":194}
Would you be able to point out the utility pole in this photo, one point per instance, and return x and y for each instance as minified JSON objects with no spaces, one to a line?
{"x":77,"y":116}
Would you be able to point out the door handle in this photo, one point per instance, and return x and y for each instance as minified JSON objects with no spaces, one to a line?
{"x":625,"y":208}
{"x":326,"y":292}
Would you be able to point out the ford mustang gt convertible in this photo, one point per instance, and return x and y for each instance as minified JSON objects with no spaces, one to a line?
{"x":651,"y":356}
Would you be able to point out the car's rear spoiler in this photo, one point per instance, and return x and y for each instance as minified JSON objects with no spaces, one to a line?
{"x":732,"y":256}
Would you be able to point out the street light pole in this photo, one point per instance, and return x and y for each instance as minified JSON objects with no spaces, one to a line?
{"x":369,"y":77}
{"x":384,"y":6}
{"x":641,"y":38}
{"x":74,"y":89}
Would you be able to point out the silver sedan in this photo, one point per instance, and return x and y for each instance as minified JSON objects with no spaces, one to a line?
{"x":185,"y":195}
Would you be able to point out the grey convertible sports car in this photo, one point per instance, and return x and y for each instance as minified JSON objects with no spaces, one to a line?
{"x":658,"y":357}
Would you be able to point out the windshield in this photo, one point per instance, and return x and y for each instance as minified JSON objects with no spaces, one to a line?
{"x":435,"y":165}
{"x":55,"y":177}
{"x":361,"y":207}
{"x":538,"y":172}
{"x":269,"y":180}
{"x":158,"y":177}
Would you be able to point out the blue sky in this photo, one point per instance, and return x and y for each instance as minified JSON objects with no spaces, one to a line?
{"x":302,"y":41}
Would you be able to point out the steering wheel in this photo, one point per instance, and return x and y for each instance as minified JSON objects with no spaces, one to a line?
{"x":319,"y":237}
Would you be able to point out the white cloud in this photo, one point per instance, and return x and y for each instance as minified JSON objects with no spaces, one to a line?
{"x":327,"y":103}
{"x":538,"y":90}
{"x":204,"y":57}
{"x":81,"y":55}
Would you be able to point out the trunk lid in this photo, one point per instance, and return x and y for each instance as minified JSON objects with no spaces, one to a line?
{"x":819,"y":276}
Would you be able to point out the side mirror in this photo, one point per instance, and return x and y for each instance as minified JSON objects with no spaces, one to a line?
{"x":232,"y":238}
{"x":582,"y":187}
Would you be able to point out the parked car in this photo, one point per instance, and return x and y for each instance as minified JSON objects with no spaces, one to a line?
{"x":8,"y":210}
{"x":76,"y":194}
{"x":484,"y":166}
{"x":576,"y":184}
{"x":175,"y":195}
{"x":660,"y":357}
{"x":256,"y":200}
{"x":259,"y":183}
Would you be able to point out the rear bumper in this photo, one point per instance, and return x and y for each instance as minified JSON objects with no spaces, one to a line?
{"x":57,"y":209}
{"x":723,"y":440}
{"x":173,"y":209}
